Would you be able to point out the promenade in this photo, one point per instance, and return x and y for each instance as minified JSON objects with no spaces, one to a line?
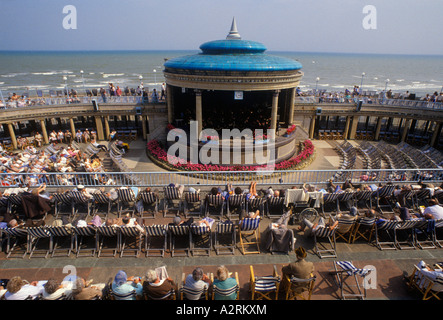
{"x":391,"y":266}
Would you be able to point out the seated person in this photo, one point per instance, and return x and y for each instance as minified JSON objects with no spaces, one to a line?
{"x":300,"y":268}
{"x":434,"y":210}
{"x":83,"y":290}
{"x":54,"y":289}
{"x":122,"y":285}
{"x":251,"y":215}
{"x":223,"y":281}
{"x":314,"y":226}
{"x":196,"y":281}
{"x":18,"y":289}
{"x":156,"y":288}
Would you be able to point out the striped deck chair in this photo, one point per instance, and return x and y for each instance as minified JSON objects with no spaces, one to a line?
{"x":170,"y":295}
{"x":347,"y":198}
{"x":364,"y":228}
{"x":111,"y":235}
{"x":275,"y":207}
{"x":15,"y":203}
{"x":383,"y":197}
{"x":421,"y":197}
{"x":194,"y":201}
{"x":235,"y":201}
{"x":186,"y":292}
{"x":62,"y":200}
{"x":80,"y":235}
{"x":328,"y":199}
{"x":37,"y":235}
{"x":249,"y":235}
{"x":200,"y":239}
{"x":363,"y":198}
{"x":149,"y":199}
{"x":263,"y":287}
{"x":345,"y":272}
{"x":438,"y":225}
{"x":101,"y":205}
{"x":232,"y":293}
{"x":172,"y":201}
{"x":424,"y":234}
{"x":387,"y":226}
{"x":225,"y":237}
{"x":179,"y":234}
{"x":345,"y":229}
{"x":156,"y":235}
{"x":61,"y":233}
{"x":215,"y":202}
{"x":20,"y":238}
{"x":298,"y":287}
{"x":427,"y":286}
{"x":80,"y":201}
{"x":126,"y":197}
{"x":325,"y":249}
{"x":130,"y":239}
{"x":407,"y":228}
{"x":255,"y":204}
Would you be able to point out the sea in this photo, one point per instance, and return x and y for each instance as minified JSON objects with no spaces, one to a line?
{"x":22,"y":71}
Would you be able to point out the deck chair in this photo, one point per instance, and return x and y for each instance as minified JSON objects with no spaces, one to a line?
{"x":346,"y":198}
{"x":130,"y":239}
{"x":127,"y":296}
{"x":249,"y":235}
{"x":172,"y":201}
{"x":330,"y":199}
{"x":156,"y":240}
{"x":101,"y":205}
{"x":387,"y":227}
{"x":19,"y":239}
{"x":15,"y":204}
{"x":383,"y":197}
{"x":214,"y":203}
{"x":235,"y":202}
{"x":325,"y":249}
{"x":345,"y":229}
{"x":192,"y":201}
{"x":346,"y":276}
{"x":179,"y":234}
{"x":299,"y":289}
{"x":37,"y":235}
{"x":255,"y":204}
{"x":424,"y":234}
{"x":126,"y":198}
{"x":81,"y":237}
{"x":225,"y":237}
{"x":438,"y":225}
{"x":61,"y":233}
{"x":186,"y":291}
{"x":421,"y":197}
{"x":232,"y":293}
{"x":111,"y":235}
{"x":149,"y":202}
{"x":364,"y":228}
{"x":80,"y":201}
{"x":428,"y":287}
{"x":170,"y":295}
{"x":407,"y":228}
{"x":200,"y":239}
{"x":263,"y":287}
{"x":275,"y":207}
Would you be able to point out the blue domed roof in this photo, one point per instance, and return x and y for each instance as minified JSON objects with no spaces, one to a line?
{"x":233,"y":55}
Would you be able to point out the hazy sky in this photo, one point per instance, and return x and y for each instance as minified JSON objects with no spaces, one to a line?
{"x":399,"y":26}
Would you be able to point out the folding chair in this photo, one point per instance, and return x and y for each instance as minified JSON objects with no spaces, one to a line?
{"x":80,"y":235}
{"x":347,"y":198}
{"x":170,"y":295}
{"x":20,"y":238}
{"x":79,"y":200}
{"x":297,"y":288}
{"x":215,"y":202}
{"x":61,"y":233}
{"x":406,"y":227}
{"x":159,"y":235}
{"x":255,"y":204}
{"x":388,"y":227}
{"x":35,"y":236}
{"x":225,"y":237}
{"x":111,"y":234}
{"x":149,"y":199}
{"x":275,"y":207}
{"x":345,"y":272}
{"x":126,"y":197}
{"x":15,"y":204}
{"x":328,"y":199}
{"x":383,"y":197}
{"x":421,"y":197}
{"x":127,"y":296}
{"x":192,"y":200}
{"x":62,"y":200}
{"x":172,"y":200}
{"x":263,"y":287}
{"x":101,"y":204}
{"x":345,"y":229}
{"x":325,"y":249}
{"x":364,"y":228}
{"x":130,"y":239}
{"x":424,"y":234}
{"x":235,"y":201}
{"x":185,"y":291}
{"x":232,"y":293}
{"x":429,"y":288}
{"x":437,"y":225}
{"x":179,"y":234}
{"x":249,"y":234}
{"x":200,"y":239}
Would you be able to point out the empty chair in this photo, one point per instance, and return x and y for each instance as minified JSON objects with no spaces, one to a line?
{"x":156,"y":240}
{"x":385,"y":227}
{"x":125,"y":201}
{"x":85,"y":240}
{"x":214,"y":203}
{"x":249,"y":235}
{"x":149,"y":204}
{"x":62,"y":204}
{"x":179,"y":234}
{"x":330,"y":199}
{"x":110,"y":235}
{"x":347,"y":277}
{"x":438,"y":225}
{"x":172,"y":201}
{"x":235,"y":202}
{"x":407,"y":229}
{"x":225,"y":237}
{"x":193,"y":204}
{"x":363,"y":198}
{"x":58,"y":234}
{"x":79,"y":200}
{"x":383,"y":197}
{"x":37,"y":235}
{"x":264,"y":287}
{"x":200,"y":239}
{"x":101,"y":204}
{"x":19,"y":239}
{"x":130,"y":240}
{"x":424,"y":234}
{"x":275,"y":207}
{"x":254,"y":204}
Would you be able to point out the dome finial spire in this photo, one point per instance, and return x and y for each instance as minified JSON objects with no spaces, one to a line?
{"x":233,"y":33}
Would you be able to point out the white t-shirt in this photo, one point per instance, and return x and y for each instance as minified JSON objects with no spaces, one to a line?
{"x":435,"y":210}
